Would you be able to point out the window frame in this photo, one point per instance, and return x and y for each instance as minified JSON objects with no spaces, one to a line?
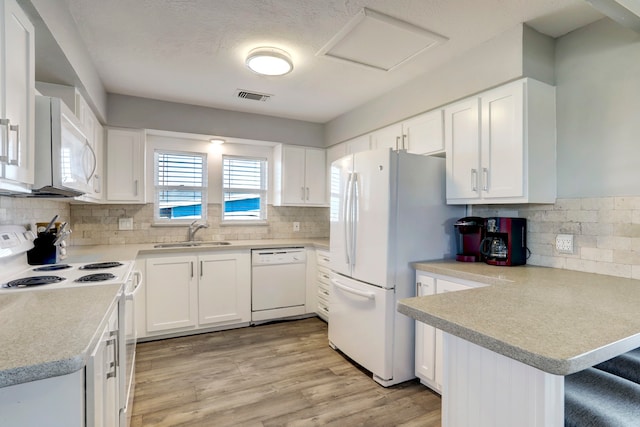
{"x":263,"y":191}
{"x":157,"y":220}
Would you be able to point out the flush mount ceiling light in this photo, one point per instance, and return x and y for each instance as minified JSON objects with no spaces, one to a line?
{"x":269,"y":61}
{"x":217,"y":141}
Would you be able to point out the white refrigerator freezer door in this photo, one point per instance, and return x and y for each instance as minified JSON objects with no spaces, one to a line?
{"x":340,"y":172}
{"x":362,"y":321}
{"x":373,"y":204}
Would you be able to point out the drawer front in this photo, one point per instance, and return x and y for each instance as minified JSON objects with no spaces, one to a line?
{"x":322,"y":258}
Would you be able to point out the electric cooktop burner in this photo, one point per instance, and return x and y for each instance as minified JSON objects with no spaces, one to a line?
{"x":53,"y":267}
{"x":33,"y":281}
{"x":100,"y":265}
{"x":98,"y":277}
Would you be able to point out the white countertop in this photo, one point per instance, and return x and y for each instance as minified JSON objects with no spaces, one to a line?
{"x":559,"y":321}
{"x":47,"y":333}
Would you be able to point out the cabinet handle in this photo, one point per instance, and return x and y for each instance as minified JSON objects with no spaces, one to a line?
{"x":4,"y":144}
{"x":135,"y":188}
{"x":302,"y":193}
{"x":404,"y":146}
{"x":191,"y":269}
{"x":307,"y":193}
{"x":485,"y":179}
{"x":14,"y":161}
{"x":201,"y":269}
{"x":474,"y":180}
{"x":397,"y":142}
{"x":113,"y":341}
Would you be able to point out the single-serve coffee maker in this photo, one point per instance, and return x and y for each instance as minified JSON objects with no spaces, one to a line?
{"x":505,"y":241}
{"x":469,"y":234}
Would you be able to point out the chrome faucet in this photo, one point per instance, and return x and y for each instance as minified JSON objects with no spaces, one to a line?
{"x":194,"y":227}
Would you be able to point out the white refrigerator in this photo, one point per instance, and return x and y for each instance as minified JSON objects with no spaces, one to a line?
{"x":387,"y":210}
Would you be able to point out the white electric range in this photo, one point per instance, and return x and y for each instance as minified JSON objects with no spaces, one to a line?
{"x":16,"y":275}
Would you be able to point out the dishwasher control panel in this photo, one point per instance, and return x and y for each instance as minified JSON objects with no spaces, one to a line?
{"x":278,"y":256}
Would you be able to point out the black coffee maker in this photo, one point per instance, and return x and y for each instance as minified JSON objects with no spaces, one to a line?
{"x":505,"y":241}
{"x":469,"y":235}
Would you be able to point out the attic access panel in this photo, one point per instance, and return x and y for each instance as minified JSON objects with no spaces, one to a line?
{"x":379,"y":41}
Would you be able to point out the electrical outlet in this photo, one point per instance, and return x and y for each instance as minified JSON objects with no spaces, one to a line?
{"x":125,"y":224}
{"x":296,"y":226}
{"x":564,"y":243}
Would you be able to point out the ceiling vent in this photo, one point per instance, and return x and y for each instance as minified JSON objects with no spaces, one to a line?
{"x":253,"y":96}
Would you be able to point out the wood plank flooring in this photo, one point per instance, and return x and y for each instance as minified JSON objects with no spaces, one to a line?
{"x":280,"y":374}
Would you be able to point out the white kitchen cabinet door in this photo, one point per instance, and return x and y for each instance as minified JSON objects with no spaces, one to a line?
{"x":388,"y":137}
{"x":102,"y":378}
{"x":425,"y":334}
{"x":224,"y":288}
{"x":315,"y":177}
{"x":17,"y":98}
{"x":502,"y":141}
{"x":424,"y":134}
{"x":462,"y":140}
{"x":358,"y":144}
{"x":299,"y":176}
{"x":125,"y":165}
{"x":171,"y":289}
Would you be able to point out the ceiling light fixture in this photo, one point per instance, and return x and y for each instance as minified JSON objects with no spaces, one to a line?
{"x":217,"y":141}
{"x":269,"y":61}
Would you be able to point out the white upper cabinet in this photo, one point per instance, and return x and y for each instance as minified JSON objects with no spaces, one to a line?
{"x":17,"y":97}
{"x":387,"y":137}
{"x":422,"y":134}
{"x":299,"y":176}
{"x":501,"y":146}
{"x":125,"y":165}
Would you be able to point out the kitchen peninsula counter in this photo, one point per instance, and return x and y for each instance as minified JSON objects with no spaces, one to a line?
{"x":508,"y":346}
{"x":559,"y":321}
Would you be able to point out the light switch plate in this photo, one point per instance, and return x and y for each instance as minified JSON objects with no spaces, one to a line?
{"x":296,"y":226}
{"x":125,"y":224}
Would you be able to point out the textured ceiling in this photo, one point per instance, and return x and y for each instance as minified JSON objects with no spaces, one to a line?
{"x":193,"y":51}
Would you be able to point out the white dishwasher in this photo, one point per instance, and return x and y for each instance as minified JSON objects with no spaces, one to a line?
{"x":278,"y":283}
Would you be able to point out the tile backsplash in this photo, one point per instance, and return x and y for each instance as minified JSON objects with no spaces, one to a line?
{"x":25,"y":211}
{"x":606,"y":233}
{"x":98,"y":224}
{"x":606,"y":230}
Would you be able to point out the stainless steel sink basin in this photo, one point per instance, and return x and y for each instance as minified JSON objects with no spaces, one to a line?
{"x":191,"y":244}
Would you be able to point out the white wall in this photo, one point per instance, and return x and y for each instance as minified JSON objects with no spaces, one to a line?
{"x":598,"y":111}
{"x":144,"y":113}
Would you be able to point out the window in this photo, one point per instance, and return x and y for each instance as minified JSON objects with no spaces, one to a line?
{"x":244,"y":189}
{"x":180,"y":186}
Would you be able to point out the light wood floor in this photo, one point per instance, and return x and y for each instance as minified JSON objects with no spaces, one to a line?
{"x":282,"y":374}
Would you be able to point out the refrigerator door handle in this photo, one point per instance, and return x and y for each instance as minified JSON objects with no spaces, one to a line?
{"x":367,"y":295}
{"x":355,"y":195}
{"x":347,"y":217}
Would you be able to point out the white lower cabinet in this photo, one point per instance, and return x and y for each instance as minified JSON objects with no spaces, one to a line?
{"x":429,"y":340}
{"x":199,"y":291}
{"x":102,"y":379}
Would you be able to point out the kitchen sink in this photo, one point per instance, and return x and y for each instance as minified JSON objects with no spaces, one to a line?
{"x":191,"y":244}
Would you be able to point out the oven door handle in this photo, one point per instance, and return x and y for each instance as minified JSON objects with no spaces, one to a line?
{"x":367,"y":295}
{"x":137,"y":277}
